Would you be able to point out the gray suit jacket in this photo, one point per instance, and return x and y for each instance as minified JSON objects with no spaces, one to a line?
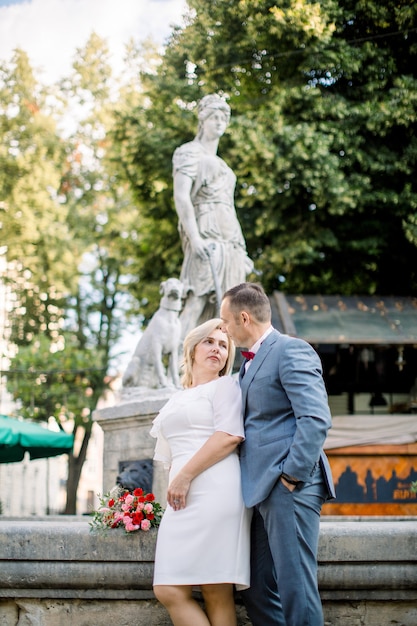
{"x":286,"y":416}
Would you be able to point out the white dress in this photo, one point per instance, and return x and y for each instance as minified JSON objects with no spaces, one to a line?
{"x":208,"y":541}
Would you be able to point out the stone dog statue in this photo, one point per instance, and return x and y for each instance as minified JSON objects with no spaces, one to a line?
{"x":161,"y":337}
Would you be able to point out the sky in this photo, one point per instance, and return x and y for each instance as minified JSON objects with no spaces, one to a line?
{"x":50,"y":31}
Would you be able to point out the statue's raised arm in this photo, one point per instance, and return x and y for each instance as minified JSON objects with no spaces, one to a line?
{"x":215,"y":256}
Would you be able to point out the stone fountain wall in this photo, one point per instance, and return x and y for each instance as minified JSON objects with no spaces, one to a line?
{"x":56,"y":572}
{"x":126,"y":429}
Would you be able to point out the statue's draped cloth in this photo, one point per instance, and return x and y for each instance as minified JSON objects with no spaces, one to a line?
{"x":212,"y":195}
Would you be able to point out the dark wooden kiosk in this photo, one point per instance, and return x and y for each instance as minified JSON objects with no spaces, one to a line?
{"x":368,"y":347}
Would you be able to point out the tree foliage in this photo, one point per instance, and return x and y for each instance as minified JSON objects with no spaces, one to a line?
{"x":71,"y":229}
{"x":323,"y":136}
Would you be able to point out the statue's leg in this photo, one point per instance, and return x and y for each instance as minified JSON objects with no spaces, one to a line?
{"x":158,"y":364}
{"x":193,"y":308}
{"x":174,"y":367}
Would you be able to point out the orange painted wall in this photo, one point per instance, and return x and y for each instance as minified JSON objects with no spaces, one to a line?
{"x":387,"y":467}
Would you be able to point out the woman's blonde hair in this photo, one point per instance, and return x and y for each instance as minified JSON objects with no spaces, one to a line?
{"x":192,"y":339}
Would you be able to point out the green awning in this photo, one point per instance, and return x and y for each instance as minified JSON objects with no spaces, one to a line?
{"x":347,"y":319}
{"x":18,"y":436}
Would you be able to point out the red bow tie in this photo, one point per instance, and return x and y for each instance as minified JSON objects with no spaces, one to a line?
{"x":247,"y":355}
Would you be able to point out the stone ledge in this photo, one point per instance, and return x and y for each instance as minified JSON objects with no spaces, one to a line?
{"x":382,"y":540}
{"x":63,"y":541}
{"x":353,"y":556}
{"x":72,"y":540}
{"x":367,"y":573}
{"x":140,"y":403}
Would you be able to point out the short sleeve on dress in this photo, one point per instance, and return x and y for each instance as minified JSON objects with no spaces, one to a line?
{"x":162,"y":450}
{"x":186,"y":159}
{"x":227,"y":407}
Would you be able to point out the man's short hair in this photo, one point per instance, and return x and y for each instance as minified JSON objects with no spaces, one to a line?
{"x":249,"y":297}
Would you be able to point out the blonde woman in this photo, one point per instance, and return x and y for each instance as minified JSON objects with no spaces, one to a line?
{"x":203,"y":539}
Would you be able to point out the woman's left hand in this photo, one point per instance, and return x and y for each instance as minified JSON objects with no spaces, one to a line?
{"x":177,"y":491}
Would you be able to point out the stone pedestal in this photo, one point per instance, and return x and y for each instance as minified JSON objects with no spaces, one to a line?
{"x":126,"y":429}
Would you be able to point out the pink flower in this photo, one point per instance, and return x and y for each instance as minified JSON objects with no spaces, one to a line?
{"x":129,"y":499}
{"x":145,"y":524}
{"x":148,"y":508}
{"x":140,"y":506}
{"x":130,"y":527}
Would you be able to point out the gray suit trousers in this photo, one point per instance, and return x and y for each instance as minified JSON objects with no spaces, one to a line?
{"x":284,"y":544}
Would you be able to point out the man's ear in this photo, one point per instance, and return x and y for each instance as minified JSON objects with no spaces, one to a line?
{"x":245,"y":318}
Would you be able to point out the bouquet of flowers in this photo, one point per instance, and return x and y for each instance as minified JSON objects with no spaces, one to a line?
{"x":131,"y":511}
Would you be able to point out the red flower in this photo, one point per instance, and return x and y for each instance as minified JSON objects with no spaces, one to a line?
{"x":111,"y":502}
{"x":137,"y":517}
{"x":150,"y":497}
{"x":138,"y":491}
{"x":150,"y":516}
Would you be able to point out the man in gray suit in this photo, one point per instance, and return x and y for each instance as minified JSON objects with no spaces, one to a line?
{"x":286,"y":476}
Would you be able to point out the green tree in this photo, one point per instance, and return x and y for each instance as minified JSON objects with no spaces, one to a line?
{"x":143,"y":138}
{"x":104,"y":223}
{"x":30,"y":154}
{"x":70,"y":233}
{"x":322,"y":137}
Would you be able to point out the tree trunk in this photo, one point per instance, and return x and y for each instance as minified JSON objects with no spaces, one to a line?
{"x":75,"y":466}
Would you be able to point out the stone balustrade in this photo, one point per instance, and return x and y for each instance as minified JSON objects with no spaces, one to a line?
{"x":55,"y":572}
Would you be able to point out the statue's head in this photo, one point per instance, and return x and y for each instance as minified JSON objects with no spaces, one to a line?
{"x":208,"y":104}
